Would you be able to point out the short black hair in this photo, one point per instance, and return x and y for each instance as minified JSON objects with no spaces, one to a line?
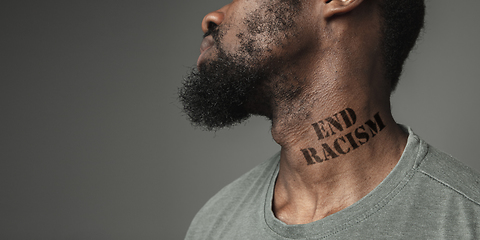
{"x":402,"y":23}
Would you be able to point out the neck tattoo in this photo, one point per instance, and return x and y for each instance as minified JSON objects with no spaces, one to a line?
{"x":333,"y":127}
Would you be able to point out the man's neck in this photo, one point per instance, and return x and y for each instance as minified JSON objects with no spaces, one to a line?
{"x":331,"y":158}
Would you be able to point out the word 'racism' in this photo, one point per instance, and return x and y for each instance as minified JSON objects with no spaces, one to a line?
{"x":331,"y":126}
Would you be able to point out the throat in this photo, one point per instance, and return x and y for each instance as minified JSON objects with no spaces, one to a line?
{"x":332,"y":162}
{"x":331,"y":137}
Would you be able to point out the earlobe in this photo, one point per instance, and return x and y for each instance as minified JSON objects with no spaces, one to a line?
{"x":338,"y":7}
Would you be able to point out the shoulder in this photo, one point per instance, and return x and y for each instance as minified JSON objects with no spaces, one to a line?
{"x":451,"y":173}
{"x":257,"y":177}
{"x":236,"y":202}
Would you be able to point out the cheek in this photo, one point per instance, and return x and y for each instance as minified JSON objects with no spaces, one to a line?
{"x":267,"y":29}
{"x":239,"y":41}
{"x":231,"y":40}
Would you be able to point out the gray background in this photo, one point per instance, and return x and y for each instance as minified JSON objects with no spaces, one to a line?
{"x":93,"y":141}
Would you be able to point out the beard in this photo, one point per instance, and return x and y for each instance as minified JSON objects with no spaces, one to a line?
{"x":221,"y":93}
{"x":229,"y":89}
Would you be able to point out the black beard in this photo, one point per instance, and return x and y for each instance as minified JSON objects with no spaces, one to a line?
{"x":226,"y":91}
{"x":218,"y":95}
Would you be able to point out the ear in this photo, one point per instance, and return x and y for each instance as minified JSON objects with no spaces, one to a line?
{"x":338,"y":7}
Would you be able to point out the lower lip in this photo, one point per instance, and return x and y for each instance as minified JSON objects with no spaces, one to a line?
{"x":201,"y":58}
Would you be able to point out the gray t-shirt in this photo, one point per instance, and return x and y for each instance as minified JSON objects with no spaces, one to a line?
{"x":428,"y":195}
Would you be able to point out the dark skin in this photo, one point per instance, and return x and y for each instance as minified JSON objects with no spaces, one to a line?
{"x":333,"y":56}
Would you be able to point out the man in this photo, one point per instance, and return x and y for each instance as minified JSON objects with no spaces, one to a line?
{"x":322,"y":71}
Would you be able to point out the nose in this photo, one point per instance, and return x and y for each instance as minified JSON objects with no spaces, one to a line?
{"x":214,"y":18}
